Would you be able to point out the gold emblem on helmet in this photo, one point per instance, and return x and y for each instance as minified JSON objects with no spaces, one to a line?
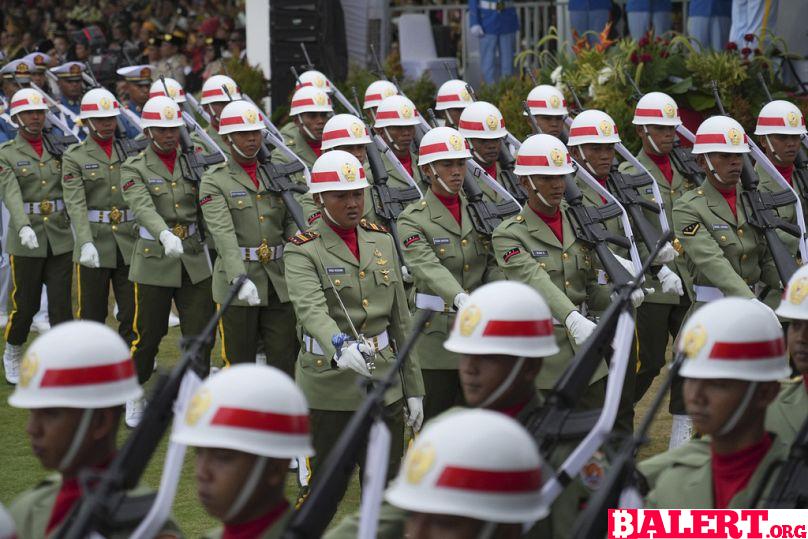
{"x":406,"y":112}
{"x":388,"y":92}
{"x":605,"y":128}
{"x":231,"y":88}
{"x":419,"y":462}
{"x":319,"y":82}
{"x":465,"y":95}
{"x":455,"y":143}
{"x":35,"y":99}
{"x":105,"y":103}
{"x":168,"y":112}
{"x":557,"y":157}
{"x":22,"y":68}
{"x":357,"y":129}
{"x":349,"y":172}
{"x":251,"y":116}
{"x":734,"y":136}
{"x":555,"y":102}
{"x":469,"y":318}
{"x":199,"y":404}
{"x":694,"y":340}
{"x":669,"y":111}
{"x":172,"y":92}
{"x":792,"y":119}
{"x":28,"y":368}
{"x":798,"y":291}
{"x":491,"y":122}
{"x":320,"y":99}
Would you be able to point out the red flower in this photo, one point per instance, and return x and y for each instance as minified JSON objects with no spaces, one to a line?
{"x":758,"y":52}
{"x":664,"y":54}
{"x":749,"y":37}
{"x":731,"y":46}
{"x":634,"y":58}
{"x":643,"y":42}
{"x":746,"y":51}
{"x":645,"y":58}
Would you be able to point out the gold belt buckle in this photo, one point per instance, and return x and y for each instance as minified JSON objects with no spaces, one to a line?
{"x":677,"y":245}
{"x":181,"y":231}
{"x":115,"y":215}
{"x":45,"y":207}
{"x":264,"y":252}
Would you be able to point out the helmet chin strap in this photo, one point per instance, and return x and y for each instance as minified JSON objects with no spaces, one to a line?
{"x":153,"y":141}
{"x":24,"y":127}
{"x":440,"y":180}
{"x":476,"y":154}
{"x":732,"y":422}
{"x":771,"y":147}
{"x":238,"y":150}
{"x":392,"y":142}
{"x":247,"y":489}
{"x":587,"y":164}
{"x":78,"y":438}
{"x":712,"y":169}
{"x":505,"y":385}
{"x":538,"y":194}
{"x":651,"y":139}
{"x":449,"y":121}
{"x":488,"y":530}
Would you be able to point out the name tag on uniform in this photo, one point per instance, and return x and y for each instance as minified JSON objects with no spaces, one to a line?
{"x":537,"y":254}
{"x":720,"y":226}
{"x":90,"y":166}
{"x":440,"y":241}
{"x":23,"y":163}
{"x":153,"y":181}
{"x":238,"y":194}
{"x":335,"y":271}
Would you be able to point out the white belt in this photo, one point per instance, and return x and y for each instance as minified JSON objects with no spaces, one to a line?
{"x":114,"y":216}
{"x":492,"y":5}
{"x":263,"y":253}
{"x":46,"y":207}
{"x":432,"y":303}
{"x":706,"y":294}
{"x":146,"y":235}
{"x":378,"y":343}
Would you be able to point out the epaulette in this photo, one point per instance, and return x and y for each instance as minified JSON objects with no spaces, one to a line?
{"x":6,"y":143}
{"x":364,"y":223}
{"x":516,"y":219}
{"x":303,"y":237}
{"x":289,"y":142}
{"x":217,"y":166}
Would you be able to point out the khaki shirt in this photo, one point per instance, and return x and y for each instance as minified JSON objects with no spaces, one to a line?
{"x":786,"y":415}
{"x":787,"y":213}
{"x":294,"y":140}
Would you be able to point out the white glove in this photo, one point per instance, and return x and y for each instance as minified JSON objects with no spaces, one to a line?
{"x":477,"y":31}
{"x":89,"y":255}
{"x":416,"y":416}
{"x":579,"y":326}
{"x":352,"y":358}
{"x":171,"y":243}
{"x":767,"y":309}
{"x":405,"y":274}
{"x":666,"y":254}
{"x":28,"y":238}
{"x":638,"y":296}
{"x":460,"y":300}
{"x":249,"y":293}
{"x":671,"y":283}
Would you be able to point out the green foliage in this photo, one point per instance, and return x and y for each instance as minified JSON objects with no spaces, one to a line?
{"x":250,"y":79}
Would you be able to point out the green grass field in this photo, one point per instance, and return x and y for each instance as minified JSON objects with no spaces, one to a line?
{"x":20,"y":470}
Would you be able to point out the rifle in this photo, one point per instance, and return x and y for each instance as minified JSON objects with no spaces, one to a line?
{"x":106,"y":507}
{"x":316,"y":513}
{"x":622,"y":474}
{"x":761,"y":211}
{"x":790,"y":489}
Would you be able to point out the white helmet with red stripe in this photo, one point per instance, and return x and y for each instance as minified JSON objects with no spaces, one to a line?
{"x":26,"y":99}
{"x":314,"y":78}
{"x":543,"y":154}
{"x":251,"y":408}
{"x":175,"y":90}
{"x":240,"y":116}
{"x":310,"y":99}
{"x":546,"y":100}
{"x":442,"y":143}
{"x":504,"y":317}
{"x":344,"y":130}
{"x":656,"y":108}
{"x":78,"y":364}
{"x":472,"y":463}
{"x":482,"y":120}
{"x":378,"y":91}
{"x":593,"y":127}
{"x":720,"y":134}
{"x":213,"y":90}
{"x":780,"y":117}
{"x":161,"y":111}
{"x":396,"y":110}
{"x":99,"y":103}
{"x":337,"y":170}
{"x":453,"y":94}
{"x":794,"y":304}
{"x":733,"y":338}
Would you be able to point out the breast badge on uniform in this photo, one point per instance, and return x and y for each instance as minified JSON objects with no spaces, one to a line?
{"x":691,"y":229}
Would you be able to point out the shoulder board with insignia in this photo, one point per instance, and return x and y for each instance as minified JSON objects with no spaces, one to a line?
{"x":373,"y":226}
{"x":6,"y":143}
{"x":303,"y":237}
{"x":217,"y":166}
{"x":691,"y":229}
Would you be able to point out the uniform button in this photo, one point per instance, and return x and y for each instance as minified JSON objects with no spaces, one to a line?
{"x":114,"y":188}
{"x":542,"y":264}
{"x":146,"y":250}
{"x":566,"y":283}
{"x":365,"y":303}
{"x":723,"y":238}
{"x":112,"y":167}
{"x":258,"y":197}
{"x":261,"y":218}
{"x":24,"y":170}
{"x":423,"y":202}
{"x":519,"y":218}
{"x":565,"y":256}
{"x":442,"y":251}
{"x":156,"y":189}
{"x":173,"y":184}
{"x":464,"y":243}
{"x":427,"y":324}
{"x":386,"y":278}
{"x":337,"y":282}
{"x":743,"y":257}
{"x":319,"y":362}
{"x":700,"y":192}
{"x":42,"y":164}
{"x":44,"y":182}
{"x":177,"y":205}
{"x":240,"y":202}
{"x":361,"y":274}
{"x":92,"y":173}
{"x":114,"y":228}
{"x":673,"y":192}
{"x":45,"y":219}
{"x":466,"y":267}
{"x":740,"y":232}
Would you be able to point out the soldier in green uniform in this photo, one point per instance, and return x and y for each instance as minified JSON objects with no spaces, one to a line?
{"x":734,"y":356}
{"x":549,"y":108}
{"x":345,"y":275}
{"x":249,"y":225}
{"x":74,"y":381}
{"x":169,"y":261}
{"x":213,"y":100}
{"x":104,"y":226}
{"x":39,"y":239}
{"x":448,"y":259}
{"x":788,"y":413}
{"x":375,"y":93}
{"x":484,"y":127}
{"x":246,"y":423}
{"x":396,"y":118}
{"x":452,"y":99}
{"x":539,"y":247}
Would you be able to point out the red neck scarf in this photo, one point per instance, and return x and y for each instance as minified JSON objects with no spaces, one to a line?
{"x":602,"y":182}
{"x":251,"y":169}
{"x":786,"y":172}
{"x":255,"y":528}
{"x":36,"y":144}
{"x":731,"y":472}
{"x":664,"y":164}
{"x":406,"y":162}
{"x":452,"y":204}
{"x":805,"y":381}
{"x":732,"y":200}
{"x":491,"y":170}
{"x":105,"y":145}
{"x":315,"y":145}
{"x":513,"y":411}
{"x":349,"y":237}
{"x":68,"y":495}
{"x":168,"y":159}
{"x":554,"y":222}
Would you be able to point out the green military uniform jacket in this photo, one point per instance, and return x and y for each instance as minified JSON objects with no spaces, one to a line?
{"x":92,"y":181}
{"x":32,"y":509}
{"x":785,"y":416}
{"x":682,"y":478}
{"x":161,"y":200}
{"x":395,"y":179}
{"x":294,"y":140}
{"x":565,"y":275}
{"x":273,"y":532}
{"x":787,"y":213}
{"x":670,"y":193}
{"x":238,"y":214}
{"x":318,"y":266}
{"x":27,"y":178}
{"x":615,"y":226}
{"x":721,"y":250}
{"x":445,"y":259}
